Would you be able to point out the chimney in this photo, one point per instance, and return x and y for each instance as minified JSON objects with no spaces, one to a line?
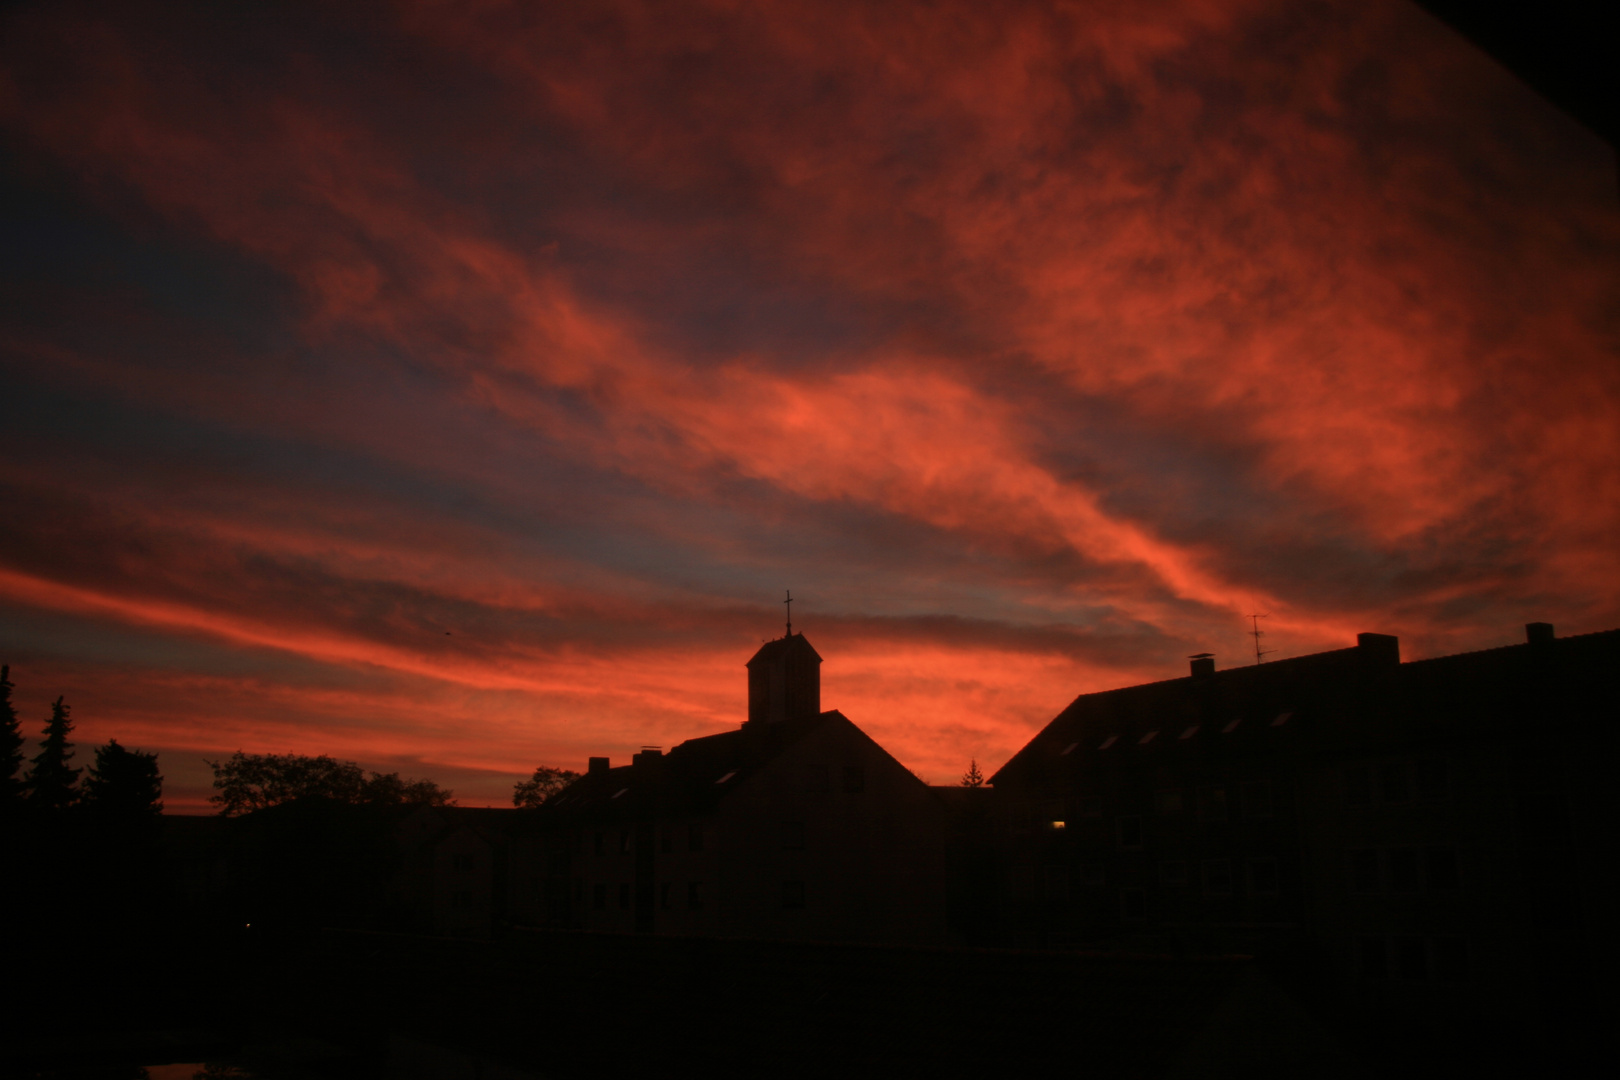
{"x":1538,"y":633}
{"x":1380,"y":648}
{"x":1203,"y":664}
{"x":648,"y":755}
{"x":598,"y":767}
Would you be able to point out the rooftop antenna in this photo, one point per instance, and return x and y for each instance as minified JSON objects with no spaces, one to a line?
{"x":1257,"y":634}
{"x":789,"y":603}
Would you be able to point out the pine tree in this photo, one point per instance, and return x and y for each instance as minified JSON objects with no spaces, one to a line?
{"x":11,"y":744}
{"x":50,"y":782}
{"x":973,"y":777}
{"x":124,"y":787}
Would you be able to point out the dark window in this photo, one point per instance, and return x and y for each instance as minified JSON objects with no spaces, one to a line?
{"x":1130,"y":832}
{"x":624,"y":842}
{"x":599,"y":895}
{"x":1132,"y":905}
{"x":1432,"y":781}
{"x":624,"y":895}
{"x":1374,"y":959}
{"x":1169,"y":802}
{"x":1451,"y":959}
{"x":1089,"y":806}
{"x":461,"y":900}
{"x":793,"y":835}
{"x":694,"y":838}
{"x":664,"y":890}
{"x":1093,"y":875}
{"x":666,"y":842}
{"x":1173,"y":873}
{"x":1441,"y":864}
{"x":1358,"y":788}
{"x":1257,"y":800}
{"x":1364,"y":870}
{"x":579,"y":889}
{"x":793,"y":894}
{"x":1392,"y":786}
{"x":464,"y":863}
{"x":854,"y":779}
{"x":1057,"y":884}
{"x":1411,"y":959}
{"x":1212,"y":803}
{"x":817,"y":779}
{"x":1263,"y":877}
{"x":600,"y":844}
{"x":694,"y":894}
{"x":1403,"y":870}
{"x":1218,"y":877}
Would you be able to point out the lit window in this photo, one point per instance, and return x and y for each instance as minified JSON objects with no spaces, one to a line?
{"x":1059,"y":825}
{"x":1110,"y":741}
{"x":1149,"y":737}
{"x":1282,"y":718}
{"x":1190,"y":732}
{"x":1067,"y":750}
{"x":1231,"y":727}
{"x":724,"y":778}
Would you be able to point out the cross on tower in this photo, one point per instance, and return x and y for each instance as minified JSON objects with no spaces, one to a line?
{"x":789,"y":603}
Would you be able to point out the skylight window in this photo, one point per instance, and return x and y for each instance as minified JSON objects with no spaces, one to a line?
{"x":1190,"y":732}
{"x":1149,"y":737}
{"x":621,"y":791}
{"x":1110,"y":741}
{"x":1229,"y":728}
{"x":1067,"y":750}
{"x":1282,"y":718}
{"x":726,"y":777}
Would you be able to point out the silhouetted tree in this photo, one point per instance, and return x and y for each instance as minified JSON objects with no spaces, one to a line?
{"x":50,"y":782}
{"x":248,"y":782}
{"x":545,"y":783}
{"x":973,"y":777}
{"x":11,"y":744}
{"x":124,"y":787}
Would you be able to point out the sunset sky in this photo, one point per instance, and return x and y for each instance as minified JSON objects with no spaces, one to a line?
{"x":455,"y":388}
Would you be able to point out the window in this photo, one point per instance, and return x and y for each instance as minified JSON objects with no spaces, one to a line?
{"x":463,"y":863}
{"x":817,"y":779}
{"x":1411,"y":959}
{"x":854,"y":779}
{"x":1093,"y":876}
{"x":1403,"y":870}
{"x":663,"y":895}
{"x":666,"y":842}
{"x":461,"y":900}
{"x":1173,"y":873}
{"x":793,"y":835}
{"x":1358,"y":786}
{"x":1392,"y":786}
{"x":1432,"y":781}
{"x":1257,"y":800}
{"x":1212,"y":803}
{"x":694,"y":838}
{"x":1129,"y":830}
{"x":1218,"y":877}
{"x":624,"y":895}
{"x":599,"y":895}
{"x":1089,"y":806}
{"x":694,"y":895}
{"x":1441,"y":867}
{"x":1132,"y":905}
{"x":1057,"y":884}
{"x":600,"y":848}
{"x":1263,"y":877}
{"x":1364,"y":870}
{"x":1169,"y":802}
{"x":624,"y":842}
{"x":793,"y":894}
{"x":1451,"y":959}
{"x":1374,"y":959}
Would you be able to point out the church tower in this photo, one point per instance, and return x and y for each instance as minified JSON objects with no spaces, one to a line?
{"x":784,"y":681}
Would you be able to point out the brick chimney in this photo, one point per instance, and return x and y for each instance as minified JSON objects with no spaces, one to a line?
{"x":598,"y":767}
{"x":1539,"y":633}
{"x":1203,"y":664}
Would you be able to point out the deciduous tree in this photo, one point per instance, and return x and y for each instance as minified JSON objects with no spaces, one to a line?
{"x":248,"y":782}
{"x":124,"y":787}
{"x":545,"y":783}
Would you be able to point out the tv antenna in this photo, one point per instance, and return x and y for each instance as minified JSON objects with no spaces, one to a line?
{"x":789,"y":603}
{"x":1257,"y":634}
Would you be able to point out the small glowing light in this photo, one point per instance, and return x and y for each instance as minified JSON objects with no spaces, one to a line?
{"x":1058,"y":825}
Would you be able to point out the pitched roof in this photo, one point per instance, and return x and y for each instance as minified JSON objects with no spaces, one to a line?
{"x":780,"y":647}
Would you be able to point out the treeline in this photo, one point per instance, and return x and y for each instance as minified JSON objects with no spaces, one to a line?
{"x":122,"y":788}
